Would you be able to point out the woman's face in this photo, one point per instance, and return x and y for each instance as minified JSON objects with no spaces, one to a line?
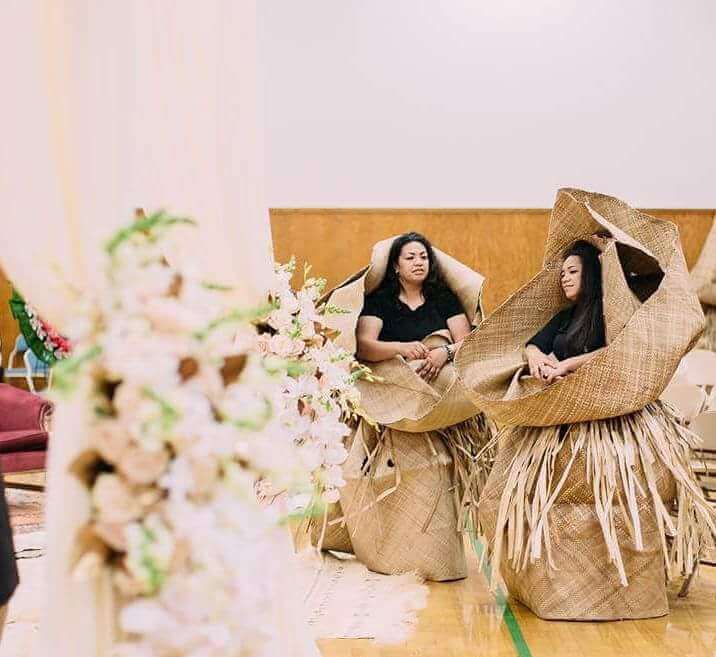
{"x":413,"y":264}
{"x":571,"y":277}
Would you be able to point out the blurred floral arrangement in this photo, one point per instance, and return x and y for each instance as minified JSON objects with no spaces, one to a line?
{"x":185,"y":418}
{"x":43,"y":340}
{"x":319,"y":393}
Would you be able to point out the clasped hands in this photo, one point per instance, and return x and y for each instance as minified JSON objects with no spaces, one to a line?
{"x":434,"y":359}
{"x":547,"y":368}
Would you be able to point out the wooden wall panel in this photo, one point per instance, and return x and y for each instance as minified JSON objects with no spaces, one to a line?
{"x":8,"y":325}
{"x":504,"y":245}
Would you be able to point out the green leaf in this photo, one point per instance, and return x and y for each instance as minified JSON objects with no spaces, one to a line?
{"x":332,"y":309}
{"x":255,"y":424}
{"x":18,"y":308}
{"x":238,"y":316}
{"x":152,"y":226}
{"x":273,"y":365}
{"x":217,"y":287}
{"x":66,"y":372}
{"x":168,"y":414}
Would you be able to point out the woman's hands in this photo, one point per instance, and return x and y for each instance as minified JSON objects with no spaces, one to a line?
{"x":549,"y":369}
{"x":568,"y":366}
{"x":540,"y":364}
{"x":413,"y":350}
{"x":557,"y":372}
{"x":433,"y":364}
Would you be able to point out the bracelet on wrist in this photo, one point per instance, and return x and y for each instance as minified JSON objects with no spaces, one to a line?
{"x":450,"y":353}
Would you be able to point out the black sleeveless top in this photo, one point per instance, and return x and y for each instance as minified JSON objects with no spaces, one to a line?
{"x":401,"y":324}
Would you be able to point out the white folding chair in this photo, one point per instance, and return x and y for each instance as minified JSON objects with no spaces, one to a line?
{"x":34,"y":368}
{"x":711,"y":401}
{"x":12,"y":372}
{"x":687,"y":398}
{"x":704,"y":467}
{"x":699,"y":367}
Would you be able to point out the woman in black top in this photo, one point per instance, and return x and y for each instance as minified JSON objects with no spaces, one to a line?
{"x":574,"y":335}
{"x":411,"y":302}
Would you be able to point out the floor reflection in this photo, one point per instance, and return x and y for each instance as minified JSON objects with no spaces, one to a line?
{"x":464,"y":619}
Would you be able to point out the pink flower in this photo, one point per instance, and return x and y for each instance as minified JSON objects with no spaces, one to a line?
{"x":286,"y":347}
{"x":114,"y":500}
{"x":111,"y":440}
{"x":331,"y":496}
{"x":262,"y":344}
{"x":112,"y":535}
{"x":142,"y":466}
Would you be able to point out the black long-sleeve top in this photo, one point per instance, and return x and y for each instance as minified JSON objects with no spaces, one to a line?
{"x":553,"y":337}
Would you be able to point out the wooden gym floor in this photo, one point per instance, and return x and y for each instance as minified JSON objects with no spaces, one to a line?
{"x":464,"y":619}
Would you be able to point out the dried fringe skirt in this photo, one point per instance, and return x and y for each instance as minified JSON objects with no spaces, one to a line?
{"x":708,"y":338}
{"x":408,"y":497}
{"x":587,"y":521}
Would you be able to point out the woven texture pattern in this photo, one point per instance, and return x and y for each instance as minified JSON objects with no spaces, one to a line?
{"x":586,"y":586}
{"x":651,"y":315}
{"x":456,"y":459}
{"x":330,"y":532}
{"x":403,"y":400}
{"x":400,"y":506}
{"x":578,"y":516}
{"x":411,"y":484}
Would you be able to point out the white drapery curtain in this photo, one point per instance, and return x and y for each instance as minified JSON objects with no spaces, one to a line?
{"x":110,"y":106}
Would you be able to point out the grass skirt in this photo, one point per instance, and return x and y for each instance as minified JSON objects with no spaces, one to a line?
{"x":584,"y":520}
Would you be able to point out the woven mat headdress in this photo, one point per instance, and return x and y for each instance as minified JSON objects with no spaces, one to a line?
{"x":652,"y":319}
{"x":403,"y":400}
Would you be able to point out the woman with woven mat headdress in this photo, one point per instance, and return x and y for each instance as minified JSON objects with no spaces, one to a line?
{"x":591,"y":498}
{"x":412,"y":475}
{"x":703,"y":282}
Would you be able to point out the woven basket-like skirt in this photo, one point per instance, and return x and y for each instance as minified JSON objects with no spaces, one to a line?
{"x":586,"y":521}
{"x":400,"y":506}
{"x":408,"y":498}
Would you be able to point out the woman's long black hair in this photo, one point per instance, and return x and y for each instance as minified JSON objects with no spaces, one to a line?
{"x":433,"y":286}
{"x":587,"y":326}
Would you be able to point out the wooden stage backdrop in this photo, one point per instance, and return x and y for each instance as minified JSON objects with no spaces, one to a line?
{"x":504,"y":245}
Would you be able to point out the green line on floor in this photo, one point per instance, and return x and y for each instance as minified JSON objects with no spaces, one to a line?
{"x":513,"y":627}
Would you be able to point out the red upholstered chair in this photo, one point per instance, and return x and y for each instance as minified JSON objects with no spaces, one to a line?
{"x":24,"y":423}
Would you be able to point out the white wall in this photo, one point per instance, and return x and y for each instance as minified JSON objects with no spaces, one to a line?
{"x":475,"y":103}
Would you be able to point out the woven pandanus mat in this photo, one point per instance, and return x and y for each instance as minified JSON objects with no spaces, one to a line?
{"x":651,"y":314}
{"x":578,"y":517}
{"x":400,"y":506}
{"x":402,"y":399}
